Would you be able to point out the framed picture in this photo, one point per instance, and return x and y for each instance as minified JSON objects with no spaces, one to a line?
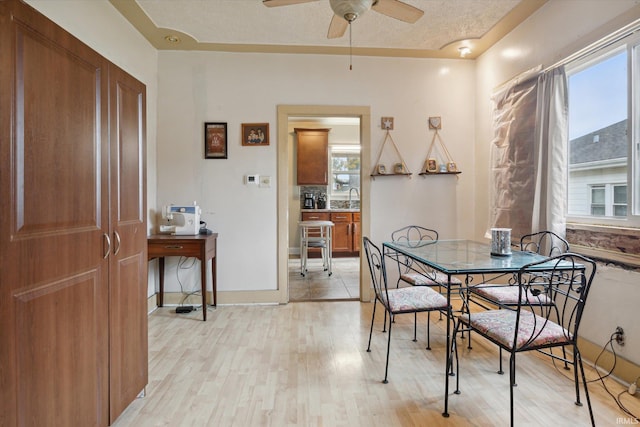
{"x":381,"y":169}
{"x":255,"y":134}
{"x":431,"y":166}
{"x":215,"y":140}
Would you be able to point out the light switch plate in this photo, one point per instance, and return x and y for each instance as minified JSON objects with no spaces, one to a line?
{"x":265,"y":181}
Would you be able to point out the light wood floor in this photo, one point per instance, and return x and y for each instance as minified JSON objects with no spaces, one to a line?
{"x":305,"y":364}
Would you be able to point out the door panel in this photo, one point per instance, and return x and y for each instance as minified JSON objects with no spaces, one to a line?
{"x":128,"y":278}
{"x":50,"y":357}
{"x":53,"y":277}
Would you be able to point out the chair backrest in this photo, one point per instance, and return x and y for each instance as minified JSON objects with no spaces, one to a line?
{"x":567,"y":279}
{"x":545,"y":243}
{"x":377,"y":269}
{"x":415,"y":235}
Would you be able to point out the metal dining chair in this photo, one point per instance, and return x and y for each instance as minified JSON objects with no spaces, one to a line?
{"x":417,"y":274}
{"x":414,"y":299}
{"x":545,"y":243}
{"x":530,"y":325}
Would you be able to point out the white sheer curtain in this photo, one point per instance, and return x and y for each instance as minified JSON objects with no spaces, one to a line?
{"x":528,"y":168}
{"x":552,"y":135}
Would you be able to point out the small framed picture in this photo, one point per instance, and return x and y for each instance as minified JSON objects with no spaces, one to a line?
{"x":255,"y":134}
{"x":399,"y":168}
{"x":381,"y":170}
{"x":215,"y":140}
{"x":452,"y":167}
{"x":435,"y":123}
{"x":431,"y":166}
{"x":386,"y":123}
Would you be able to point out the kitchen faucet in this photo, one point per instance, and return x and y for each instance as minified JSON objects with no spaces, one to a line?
{"x":357,"y":194}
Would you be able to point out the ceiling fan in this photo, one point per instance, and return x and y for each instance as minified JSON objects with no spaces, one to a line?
{"x":347,"y":11}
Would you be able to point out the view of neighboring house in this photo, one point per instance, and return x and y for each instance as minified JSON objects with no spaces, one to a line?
{"x":598,"y":172}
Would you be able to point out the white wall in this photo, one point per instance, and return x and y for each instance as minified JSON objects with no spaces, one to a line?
{"x":558,"y":29}
{"x":99,"y":25}
{"x":198,"y":87}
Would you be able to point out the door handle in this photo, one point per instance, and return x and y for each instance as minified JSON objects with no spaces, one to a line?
{"x":108,"y":249}
{"x":116,"y":249}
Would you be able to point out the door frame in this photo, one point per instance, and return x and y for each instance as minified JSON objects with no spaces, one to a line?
{"x":284,"y":164}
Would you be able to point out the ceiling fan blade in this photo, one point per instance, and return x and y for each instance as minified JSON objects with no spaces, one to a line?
{"x":337,"y":27}
{"x":275,"y":3}
{"x":398,"y":10}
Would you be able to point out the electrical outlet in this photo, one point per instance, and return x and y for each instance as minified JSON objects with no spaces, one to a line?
{"x":619,"y":335}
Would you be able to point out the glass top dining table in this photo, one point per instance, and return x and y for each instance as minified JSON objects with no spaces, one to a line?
{"x":462,"y":257}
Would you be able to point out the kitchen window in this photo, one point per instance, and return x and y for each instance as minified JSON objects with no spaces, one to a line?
{"x":345,"y":170}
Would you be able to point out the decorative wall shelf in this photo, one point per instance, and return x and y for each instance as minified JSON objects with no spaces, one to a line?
{"x":374,"y":175}
{"x":400,"y":168}
{"x":440,"y":173}
{"x":431,"y":166}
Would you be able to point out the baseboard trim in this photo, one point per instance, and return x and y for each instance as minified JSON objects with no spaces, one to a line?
{"x":224,"y":298}
{"x":625,"y":371}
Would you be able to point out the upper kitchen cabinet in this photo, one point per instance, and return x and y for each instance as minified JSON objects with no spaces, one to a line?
{"x":313,"y":155}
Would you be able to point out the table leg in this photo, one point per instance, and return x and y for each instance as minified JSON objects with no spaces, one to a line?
{"x":449,"y":361}
{"x":213,"y":281}
{"x":161,"y":280}
{"x":203,"y":287}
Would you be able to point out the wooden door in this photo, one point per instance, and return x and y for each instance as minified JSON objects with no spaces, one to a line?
{"x":313,"y":156}
{"x":128,"y":272}
{"x":53,"y":187}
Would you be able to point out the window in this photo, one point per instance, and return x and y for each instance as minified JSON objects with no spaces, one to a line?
{"x":597,"y":200}
{"x":345,"y":170}
{"x":602,"y":164}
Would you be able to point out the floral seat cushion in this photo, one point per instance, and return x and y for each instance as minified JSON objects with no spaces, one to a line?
{"x":415,"y":299}
{"x":533,"y":330}
{"x":435,"y":278}
{"x":508,"y":295}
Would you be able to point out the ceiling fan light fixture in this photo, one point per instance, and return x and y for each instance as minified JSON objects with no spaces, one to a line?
{"x":350,"y":9}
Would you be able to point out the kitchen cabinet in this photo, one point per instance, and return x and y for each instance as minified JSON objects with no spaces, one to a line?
{"x":73,"y":310}
{"x":357,"y":235}
{"x":313,"y":156}
{"x":346,"y":233}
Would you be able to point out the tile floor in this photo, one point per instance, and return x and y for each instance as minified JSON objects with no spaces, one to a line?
{"x":317,"y":285}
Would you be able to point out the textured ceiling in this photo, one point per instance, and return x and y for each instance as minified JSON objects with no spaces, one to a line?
{"x":249,"y":25}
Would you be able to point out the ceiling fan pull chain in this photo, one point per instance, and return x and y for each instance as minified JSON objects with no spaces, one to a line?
{"x":350,"y":50}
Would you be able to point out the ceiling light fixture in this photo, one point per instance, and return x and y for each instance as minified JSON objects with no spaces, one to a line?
{"x":172,"y":39}
{"x":464,"y":51}
{"x":350,"y":10}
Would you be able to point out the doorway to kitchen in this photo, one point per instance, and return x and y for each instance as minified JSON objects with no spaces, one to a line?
{"x":346,"y":280}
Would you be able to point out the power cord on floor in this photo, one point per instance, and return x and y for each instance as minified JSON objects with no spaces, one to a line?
{"x":602,"y":377}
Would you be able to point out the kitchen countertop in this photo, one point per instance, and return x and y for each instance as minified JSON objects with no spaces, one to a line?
{"x":330,"y":210}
